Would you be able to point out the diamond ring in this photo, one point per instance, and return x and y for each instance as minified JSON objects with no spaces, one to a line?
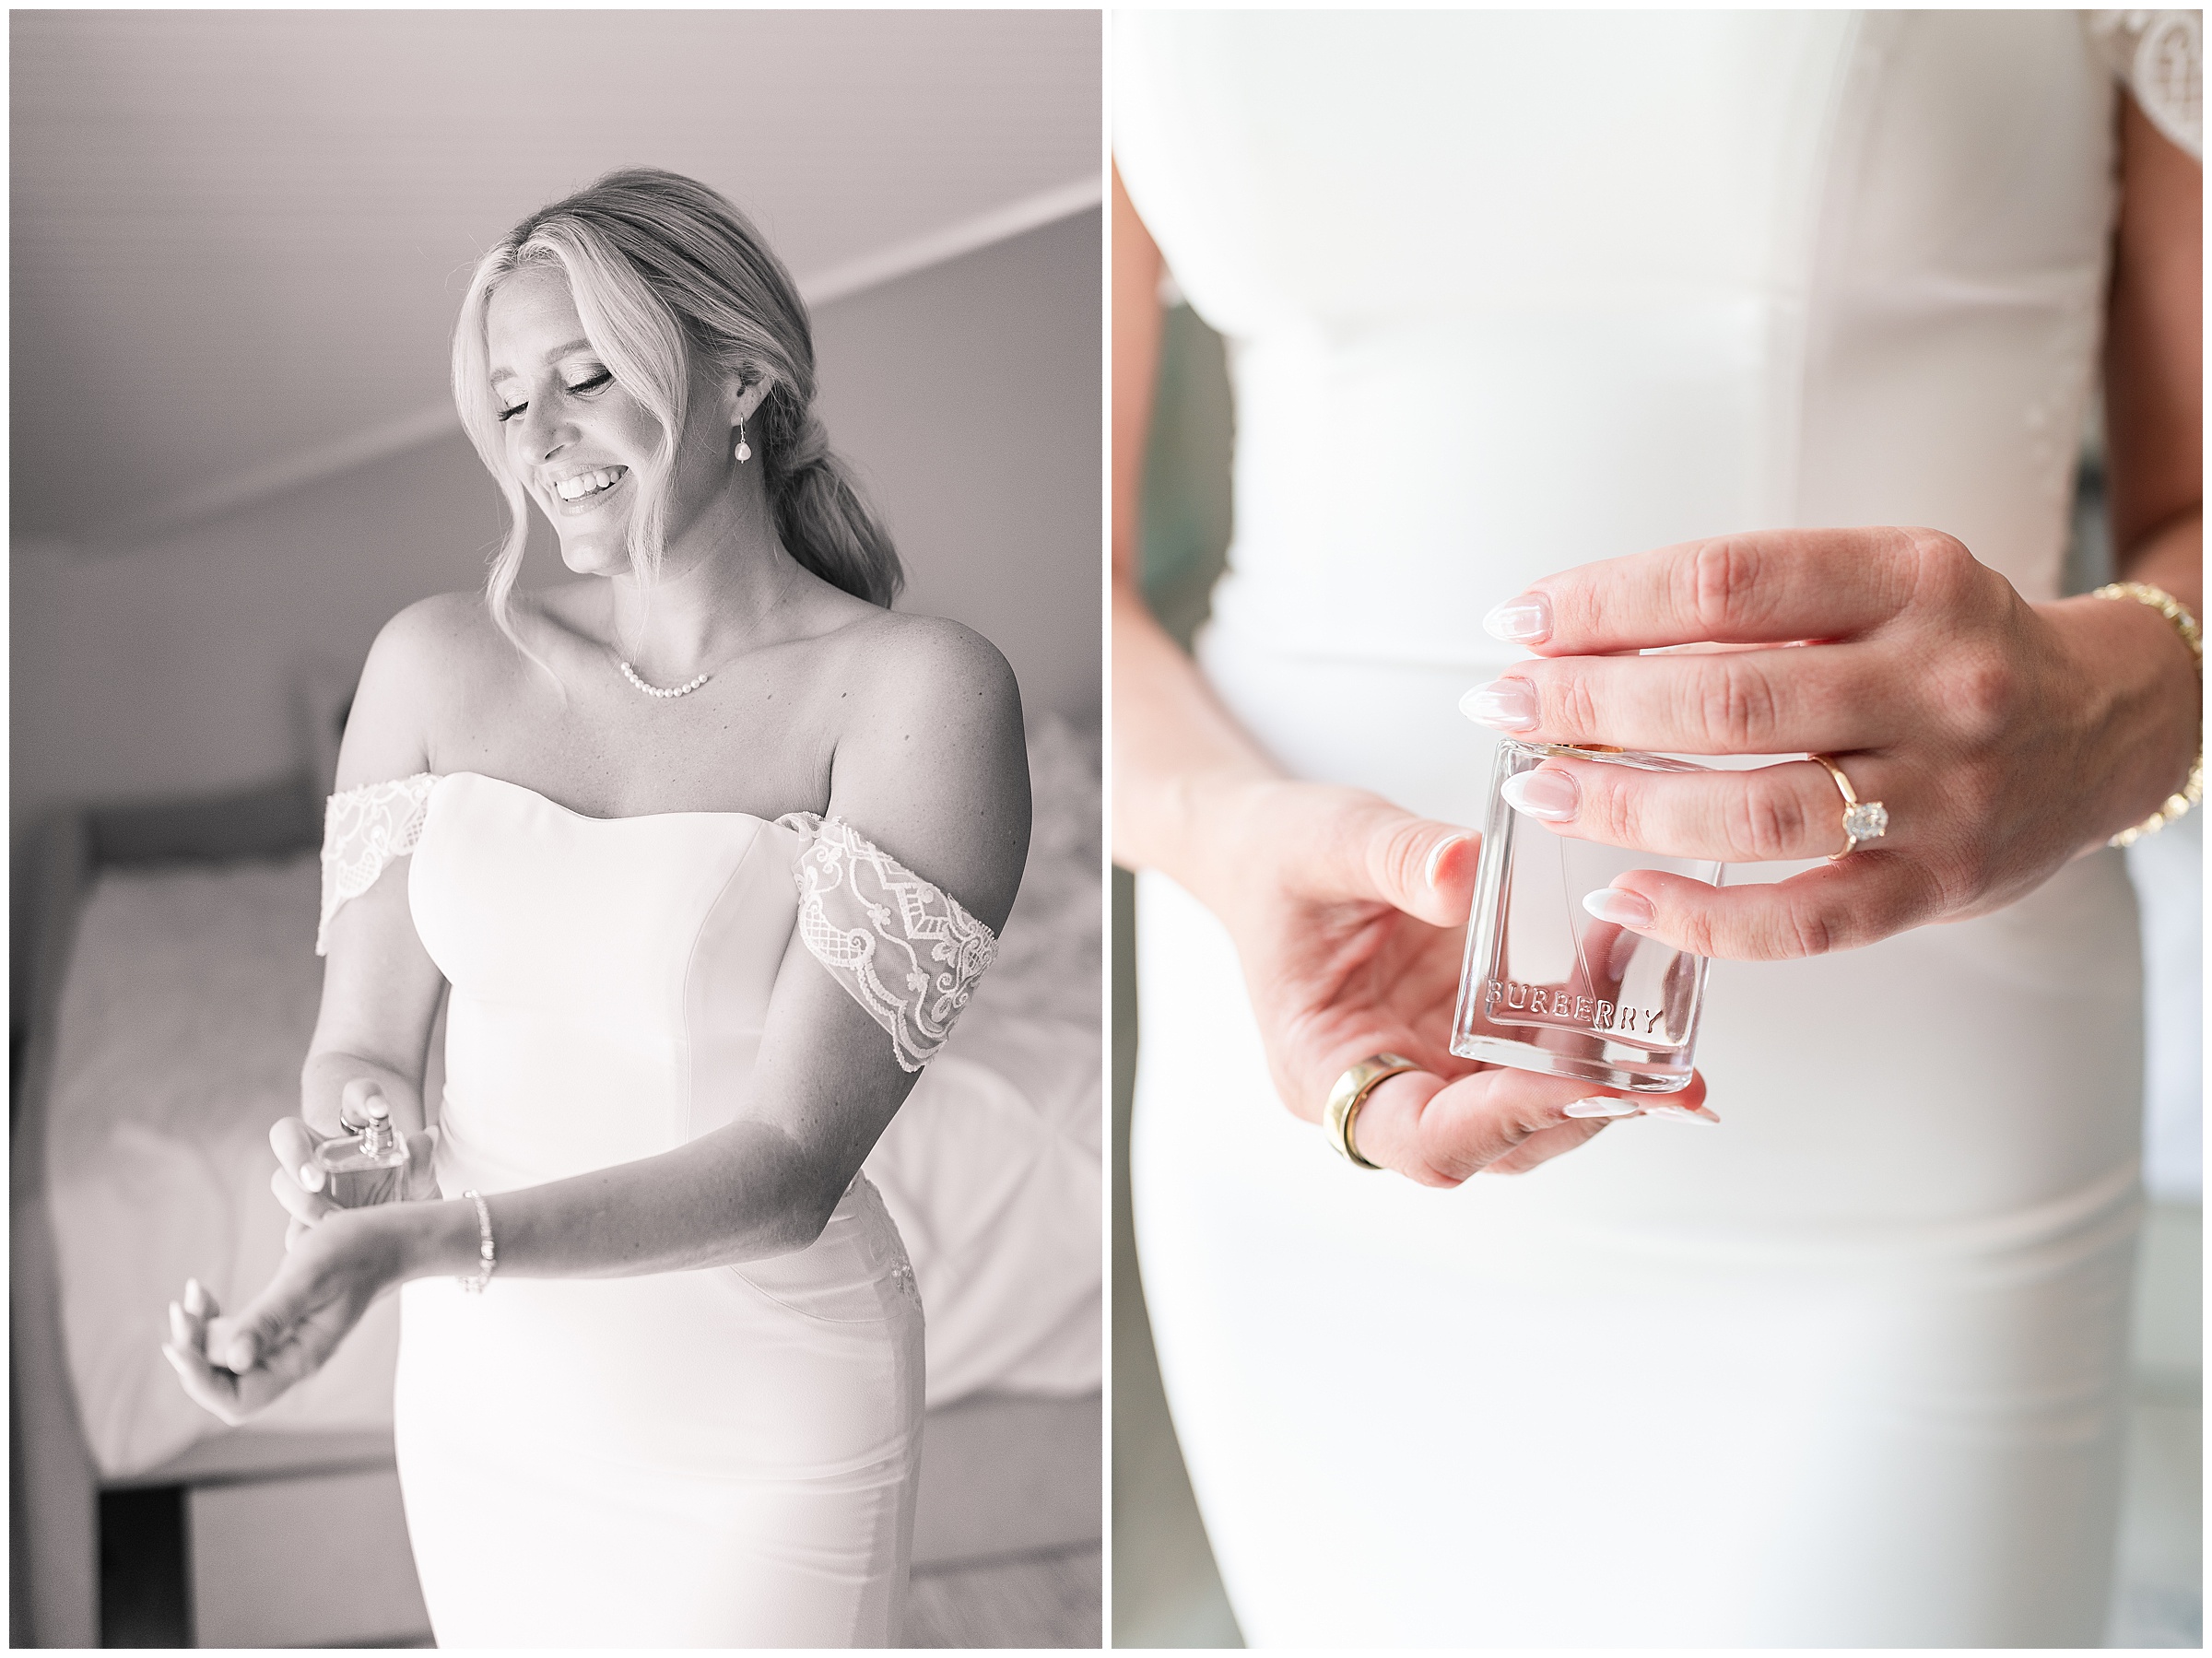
{"x":1862,"y":819}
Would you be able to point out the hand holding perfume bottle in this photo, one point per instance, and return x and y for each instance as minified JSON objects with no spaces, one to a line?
{"x":1350,"y":916}
{"x":1960,"y":742}
{"x":371,"y":1160}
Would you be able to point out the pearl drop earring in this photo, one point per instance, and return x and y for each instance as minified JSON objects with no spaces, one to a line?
{"x":745,"y":450}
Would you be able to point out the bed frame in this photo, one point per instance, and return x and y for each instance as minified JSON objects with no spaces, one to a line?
{"x":1003,"y":1476}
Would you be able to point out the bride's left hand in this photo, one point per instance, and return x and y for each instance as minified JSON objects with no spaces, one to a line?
{"x":2002,"y":737}
{"x":237,"y":1366}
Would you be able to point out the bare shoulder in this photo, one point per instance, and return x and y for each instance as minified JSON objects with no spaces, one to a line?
{"x":938,"y":663}
{"x":931,"y":763}
{"x":426,"y":661}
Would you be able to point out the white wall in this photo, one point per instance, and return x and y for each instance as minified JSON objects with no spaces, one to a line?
{"x":968,"y":394}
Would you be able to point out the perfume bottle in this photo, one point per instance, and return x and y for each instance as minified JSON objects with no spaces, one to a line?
{"x":368,"y":1163}
{"x":1548,"y":987}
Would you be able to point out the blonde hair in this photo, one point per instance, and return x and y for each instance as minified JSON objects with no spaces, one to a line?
{"x":661,"y":268}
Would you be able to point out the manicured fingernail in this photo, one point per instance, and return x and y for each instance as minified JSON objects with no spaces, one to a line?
{"x":1552,"y":795}
{"x":1509,"y":704}
{"x":310,"y":1176}
{"x":1523,"y":620}
{"x":1436,"y":855}
{"x":242,"y":1355}
{"x":195,"y":1298}
{"x":1601,"y":1105}
{"x":175,"y":1359}
{"x":1682,"y":1114}
{"x":1622,"y":909}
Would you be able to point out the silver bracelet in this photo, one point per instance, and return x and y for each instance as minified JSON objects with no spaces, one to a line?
{"x":484,"y":1253}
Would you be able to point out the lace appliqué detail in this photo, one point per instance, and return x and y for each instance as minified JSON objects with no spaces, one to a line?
{"x":905,"y":948}
{"x":363,"y":829}
{"x":2160,"y":55}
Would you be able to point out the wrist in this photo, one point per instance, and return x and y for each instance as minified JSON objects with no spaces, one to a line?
{"x":1225,"y":823}
{"x":1170,"y":820}
{"x":428,"y":1239}
{"x":2143,"y":701}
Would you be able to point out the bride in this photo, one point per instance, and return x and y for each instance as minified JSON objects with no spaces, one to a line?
{"x":710,"y":846}
{"x":1635,"y":331}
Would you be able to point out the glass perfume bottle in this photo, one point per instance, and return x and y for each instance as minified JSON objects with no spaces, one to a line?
{"x":1546,"y":986}
{"x":370,"y":1166}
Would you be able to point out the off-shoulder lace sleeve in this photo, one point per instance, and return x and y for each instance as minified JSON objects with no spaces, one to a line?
{"x":2160,"y":55}
{"x":901,"y":947}
{"x":363,"y":829}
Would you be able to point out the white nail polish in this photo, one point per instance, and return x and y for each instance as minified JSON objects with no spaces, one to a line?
{"x":1509,"y":704}
{"x":1552,"y":796}
{"x":1525,"y":619}
{"x":1621,"y":908}
{"x":1601,"y":1106}
{"x":1681,"y":1113}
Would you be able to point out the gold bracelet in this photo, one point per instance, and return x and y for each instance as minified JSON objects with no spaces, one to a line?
{"x":2174,"y":611}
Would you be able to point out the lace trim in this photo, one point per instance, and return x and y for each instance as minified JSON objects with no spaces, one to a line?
{"x":904,"y":949}
{"x":2160,"y":55}
{"x":363,"y":829}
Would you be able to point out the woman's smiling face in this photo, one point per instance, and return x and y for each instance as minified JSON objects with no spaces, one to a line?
{"x":575,"y":437}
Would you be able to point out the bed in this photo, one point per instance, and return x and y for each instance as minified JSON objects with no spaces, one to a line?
{"x":171,"y":987}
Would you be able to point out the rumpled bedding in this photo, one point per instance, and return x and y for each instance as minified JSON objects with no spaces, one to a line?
{"x":187,"y":1007}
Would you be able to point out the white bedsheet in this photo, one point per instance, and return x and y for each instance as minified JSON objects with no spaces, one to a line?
{"x":190,"y":997}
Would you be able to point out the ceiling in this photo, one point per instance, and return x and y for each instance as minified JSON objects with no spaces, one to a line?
{"x":240,"y":238}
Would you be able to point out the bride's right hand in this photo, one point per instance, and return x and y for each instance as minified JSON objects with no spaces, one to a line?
{"x":299,"y":1180}
{"x":1349,"y":916}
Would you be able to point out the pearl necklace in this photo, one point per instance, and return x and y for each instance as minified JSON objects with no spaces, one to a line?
{"x":631,"y":673}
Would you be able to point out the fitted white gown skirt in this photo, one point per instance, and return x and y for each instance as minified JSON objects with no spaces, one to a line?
{"x":1846,"y":1370}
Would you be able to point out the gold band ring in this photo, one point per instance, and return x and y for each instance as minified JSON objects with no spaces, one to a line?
{"x":1342,"y":1113}
{"x":1862,"y":819}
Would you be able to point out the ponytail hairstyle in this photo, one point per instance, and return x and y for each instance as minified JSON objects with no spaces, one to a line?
{"x":664,"y":272}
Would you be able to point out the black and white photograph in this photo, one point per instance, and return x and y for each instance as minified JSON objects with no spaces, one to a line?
{"x":555,"y":854}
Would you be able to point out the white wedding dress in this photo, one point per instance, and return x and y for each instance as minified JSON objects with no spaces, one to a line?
{"x":1505,"y":293}
{"x":723,"y":1457}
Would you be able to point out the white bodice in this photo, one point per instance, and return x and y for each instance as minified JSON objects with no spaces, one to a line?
{"x":627,"y":964}
{"x":1510,"y":291}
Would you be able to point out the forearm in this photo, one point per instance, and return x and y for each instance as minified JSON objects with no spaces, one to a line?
{"x":742,"y":1193}
{"x":1179,"y":754}
{"x":1176,"y":749}
{"x":2171,"y":557}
